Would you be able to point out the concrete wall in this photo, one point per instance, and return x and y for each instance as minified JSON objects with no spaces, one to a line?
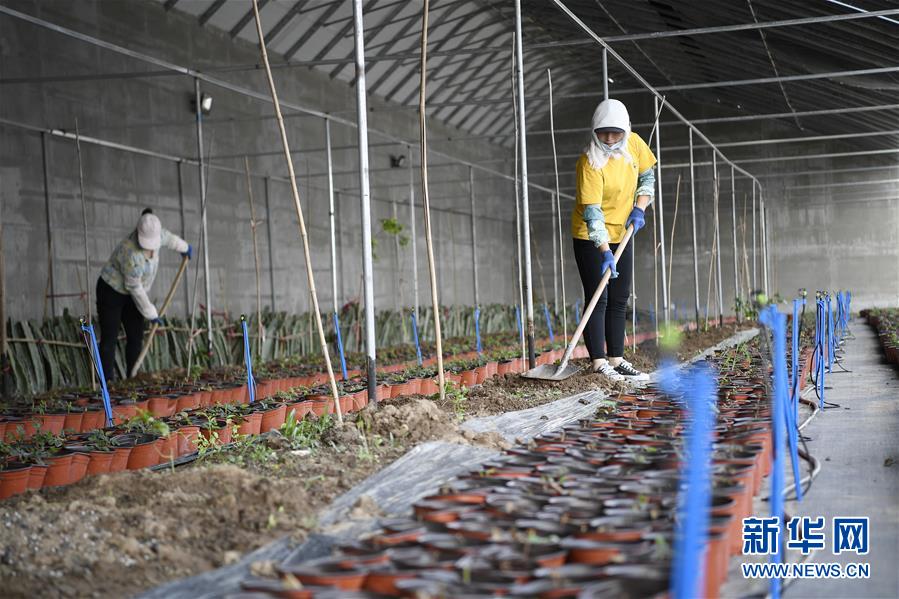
{"x":154,"y":113}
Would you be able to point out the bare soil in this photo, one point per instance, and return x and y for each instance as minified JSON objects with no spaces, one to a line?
{"x":116,"y":535}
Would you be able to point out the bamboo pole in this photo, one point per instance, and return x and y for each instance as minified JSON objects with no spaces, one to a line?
{"x":558,"y":207}
{"x":87,"y":257}
{"x":673,"y":225}
{"x":423,"y":129}
{"x":253,"y":224}
{"x":162,"y":309}
{"x":299,"y":209}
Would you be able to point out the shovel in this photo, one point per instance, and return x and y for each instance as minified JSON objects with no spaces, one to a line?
{"x":548,"y":372}
{"x":165,"y":305}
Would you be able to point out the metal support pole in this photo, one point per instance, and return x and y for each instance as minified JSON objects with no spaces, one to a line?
{"x":331,"y":216}
{"x":755,"y":285}
{"x":362,"y":130}
{"x":51,"y":288}
{"x":271,"y":251}
{"x":412,"y":234}
{"x":661,"y":215}
{"x":474,"y":239}
{"x":733,"y":215}
{"x":693,"y":219}
{"x":206,"y":281}
{"x":605,"y":73}
{"x":526,"y":221}
{"x":763,"y":215}
{"x":718,"y":241}
{"x":183,"y":232}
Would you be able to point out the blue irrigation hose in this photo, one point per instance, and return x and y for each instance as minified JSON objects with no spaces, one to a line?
{"x":549,"y":323}
{"x":415,"y":336}
{"x":340,"y":346}
{"x":248,"y":359}
{"x":98,"y":366}
{"x":477,"y":329}
{"x":688,"y":567}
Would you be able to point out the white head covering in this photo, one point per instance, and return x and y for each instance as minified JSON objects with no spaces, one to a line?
{"x":610,"y":114}
{"x":149,"y":232}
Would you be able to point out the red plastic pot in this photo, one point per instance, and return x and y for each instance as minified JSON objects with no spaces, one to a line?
{"x":58,"y":471}
{"x":506,"y":367}
{"x":167,"y":447}
{"x":72,"y":421}
{"x":187,"y":402}
{"x":469,"y":378}
{"x":429,"y":387}
{"x":161,"y":406}
{"x":273,"y":419}
{"x":92,"y":420}
{"x":143,"y":455}
{"x":14,"y":479}
{"x":481,"y":374}
{"x":251,"y":424}
{"x":299,"y":409}
{"x":119,"y":460}
{"x":186,"y":439}
{"x":36,"y":476}
{"x":123,"y":412}
{"x":318,"y":404}
{"x":100,"y":462}
{"x":78,"y":469}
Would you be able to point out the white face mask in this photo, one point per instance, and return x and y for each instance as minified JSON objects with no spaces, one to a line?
{"x":610,"y":148}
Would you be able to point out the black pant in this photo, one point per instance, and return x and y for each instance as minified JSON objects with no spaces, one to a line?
{"x":116,"y":308}
{"x":607,"y":321}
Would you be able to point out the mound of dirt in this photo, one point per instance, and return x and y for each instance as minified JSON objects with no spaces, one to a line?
{"x":115,"y":534}
{"x":511,"y":392}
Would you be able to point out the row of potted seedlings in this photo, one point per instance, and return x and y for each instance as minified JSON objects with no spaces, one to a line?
{"x":588,"y":511}
{"x":886,"y":322}
{"x":160,"y":427}
{"x":165,"y":395}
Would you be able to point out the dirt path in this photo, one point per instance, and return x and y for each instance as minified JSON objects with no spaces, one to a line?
{"x":116,"y":535}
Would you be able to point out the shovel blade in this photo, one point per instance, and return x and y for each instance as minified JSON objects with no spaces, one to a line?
{"x":550,"y":372}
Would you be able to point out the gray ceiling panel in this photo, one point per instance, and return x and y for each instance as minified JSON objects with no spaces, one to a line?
{"x":306,"y":30}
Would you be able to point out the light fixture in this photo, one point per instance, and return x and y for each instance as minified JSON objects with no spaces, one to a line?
{"x":205,"y":103}
{"x":397,"y":161}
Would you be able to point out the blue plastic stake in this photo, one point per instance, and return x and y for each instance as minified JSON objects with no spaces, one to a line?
{"x":415,"y":335}
{"x":549,"y":323}
{"x":340,"y":346}
{"x":688,"y":567}
{"x":577,"y":312}
{"x":477,"y":329}
{"x":248,"y":360}
{"x":98,"y":366}
{"x":776,"y":321}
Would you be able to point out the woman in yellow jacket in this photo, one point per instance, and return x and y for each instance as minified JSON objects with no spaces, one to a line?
{"x":615,"y":183}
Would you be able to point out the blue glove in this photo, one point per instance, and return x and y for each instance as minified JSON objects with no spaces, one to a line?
{"x":608,"y":262}
{"x":637,"y":218}
{"x":158,"y":321}
{"x":189,"y":253}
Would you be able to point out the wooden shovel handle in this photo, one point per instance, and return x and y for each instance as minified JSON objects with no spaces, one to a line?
{"x":165,"y":306}
{"x":588,"y":310}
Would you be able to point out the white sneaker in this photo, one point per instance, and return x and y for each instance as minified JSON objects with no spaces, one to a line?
{"x":609,"y":372}
{"x":627,"y":370}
